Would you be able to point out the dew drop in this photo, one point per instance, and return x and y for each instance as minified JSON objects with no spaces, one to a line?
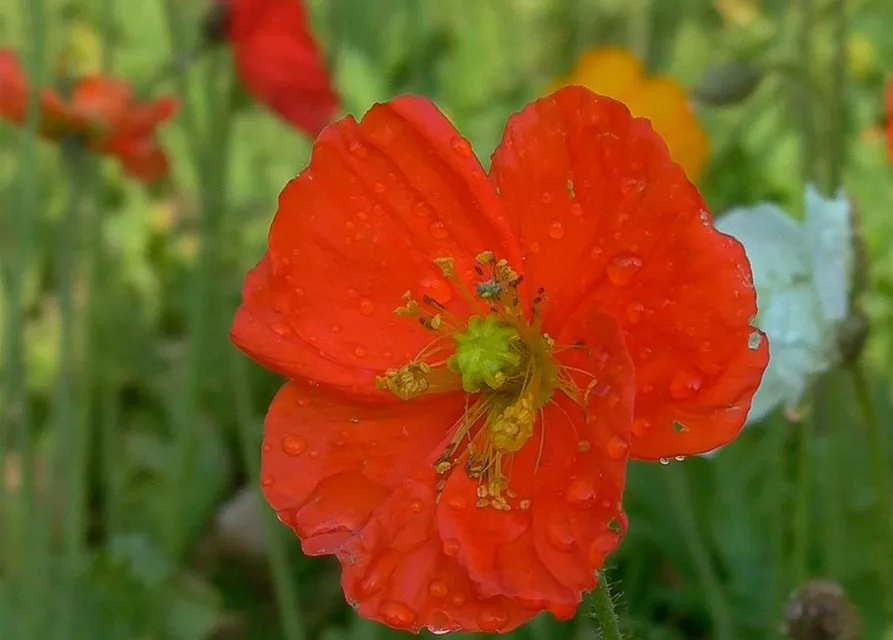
{"x":705,"y":346}
{"x":397,"y":614}
{"x":416,"y":506}
{"x":754,"y":340}
{"x":576,"y":209}
{"x":379,"y":187}
{"x":357,"y":149}
{"x":266,"y":447}
{"x":457,"y":599}
{"x":634,"y":311}
{"x":438,"y":589}
{"x":665,"y":461}
{"x":616,"y":447}
{"x":293,"y":445}
{"x":437,"y":230}
{"x":451,"y":547}
{"x":367,"y":308}
{"x":335,"y":328}
{"x":556,"y":230}
{"x":314,"y":454}
{"x":462,"y":147}
{"x":685,"y":384}
{"x":437,"y":289}
{"x":680,"y":458}
{"x":457,"y":502}
{"x":580,"y":492}
{"x":640,"y":426}
{"x":362,"y":215}
{"x":281,"y":329}
{"x":492,"y":618}
{"x":421,"y":209}
{"x":351,"y":293}
{"x":534,"y":247}
{"x":360,"y":351}
{"x":596,"y":253}
{"x":377,"y":209}
{"x":547,"y":198}
{"x":267,"y":481}
{"x":623,"y":268}
{"x":558,"y":532}
{"x":303,"y":402}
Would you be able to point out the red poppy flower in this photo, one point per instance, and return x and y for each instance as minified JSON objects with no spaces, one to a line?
{"x":464,"y":457}
{"x":278,"y":61}
{"x":102,"y":113}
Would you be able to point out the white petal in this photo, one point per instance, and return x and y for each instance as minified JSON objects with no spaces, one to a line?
{"x":829,"y":233}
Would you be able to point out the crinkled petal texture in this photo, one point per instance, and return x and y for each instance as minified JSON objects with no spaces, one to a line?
{"x":279,"y":62}
{"x":607,"y":221}
{"x":802,"y":275}
{"x":379,"y":202}
{"x":357,"y":480}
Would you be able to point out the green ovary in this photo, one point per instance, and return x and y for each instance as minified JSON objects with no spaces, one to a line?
{"x":486,"y":354}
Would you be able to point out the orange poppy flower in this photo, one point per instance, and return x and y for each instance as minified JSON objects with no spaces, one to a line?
{"x":616,"y":73}
{"x":277,"y":59}
{"x":102,"y":113}
{"x":464,"y":457}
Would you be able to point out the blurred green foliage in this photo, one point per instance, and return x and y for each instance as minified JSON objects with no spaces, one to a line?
{"x":142,"y":422}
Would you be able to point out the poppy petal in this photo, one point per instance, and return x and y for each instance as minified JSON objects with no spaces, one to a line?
{"x":279,"y":63}
{"x":606,"y":220}
{"x":569,"y":477}
{"x":327,"y":464}
{"x":379,"y":202}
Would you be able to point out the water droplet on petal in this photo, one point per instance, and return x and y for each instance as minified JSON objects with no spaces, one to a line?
{"x":293,"y":445}
{"x":640,"y":426}
{"x":437,"y":289}
{"x":303,"y":402}
{"x":634,"y":311}
{"x":451,"y":547}
{"x":556,"y":230}
{"x":580,"y":492}
{"x":438,"y":589}
{"x":367,"y":308}
{"x":416,"y":506}
{"x":665,"y":461}
{"x":705,"y":346}
{"x":421,"y":209}
{"x":547,"y":197}
{"x":335,"y":328}
{"x":462,"y":147}
{"x":379,"y":187}
{"x":754,"y":340}
{"x":576,"y":209}
{"x":357,"y":149}
{"x":377,"y":209}
{"x":281,"y":329}
{"x":438,"y":231}
{"x":534,"y":247}
{"x":558,"y":532}
{"x":623,"y":268}
{"x":685,"y":384}
{"x":266,"y":447}
{"x":616,"y":447}
{"x":360,"y":351}
{"x":267,"y":481}
{"x":492,"y":618}
{"x":397,"y":614}
{"x":457,"y":599}
{"x":680,"y":458}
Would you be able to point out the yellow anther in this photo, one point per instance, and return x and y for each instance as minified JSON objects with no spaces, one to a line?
{"x":505,"y":274}
{"x":447,"y":266}
{"x":484,"y":258}
{"x":407,"y":382}
{"x":514,"y":426}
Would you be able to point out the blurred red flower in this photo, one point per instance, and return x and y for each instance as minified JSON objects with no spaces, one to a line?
{"x":102,"y":113}
{"x":278,"y":61}
{"x":890,"y":120}
{"x":465,"y":457}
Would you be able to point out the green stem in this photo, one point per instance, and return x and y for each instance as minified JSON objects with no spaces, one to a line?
{"x":837,"y":129}
{"x":680,"y":498}
{"x":639,"y":29}
{"x":284,"y":587}
{"x":884,"y":503}
{"x":802,"y":100}
{"x":802,"y":516}
{"x":778,"y":432}
{"x":603,"y":609}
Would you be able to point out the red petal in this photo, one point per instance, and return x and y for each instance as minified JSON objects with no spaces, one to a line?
{"x":358,"y":228}
{"x":327,"y":464}
{"x":607,"y":221}
{"x":547,"y":551}
{"x":13,"y":88}
{"x":279,"y":62}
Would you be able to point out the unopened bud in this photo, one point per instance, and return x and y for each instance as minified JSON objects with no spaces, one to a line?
{"x":820,"y":610}
{"x":728,"y":84}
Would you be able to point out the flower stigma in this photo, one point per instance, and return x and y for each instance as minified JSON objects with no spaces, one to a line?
{"x":502,"y":361}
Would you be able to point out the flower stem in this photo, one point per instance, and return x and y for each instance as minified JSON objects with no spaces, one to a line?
{"x":680,"y":497}
{"x":837,"y":129}
{"x":802,"y":103}
{"x":883,"y":503}
{"x":603,"y":609}
{"x":802,"y":506}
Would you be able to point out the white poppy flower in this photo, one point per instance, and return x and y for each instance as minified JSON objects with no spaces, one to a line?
{"x":802,"y":271}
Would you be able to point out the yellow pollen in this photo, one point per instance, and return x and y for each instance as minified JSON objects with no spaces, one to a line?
{"x":407,"y":382}
{"x":514,"y":426}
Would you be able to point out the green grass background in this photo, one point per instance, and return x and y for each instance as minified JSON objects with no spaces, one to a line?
{"x":127,"y":421}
